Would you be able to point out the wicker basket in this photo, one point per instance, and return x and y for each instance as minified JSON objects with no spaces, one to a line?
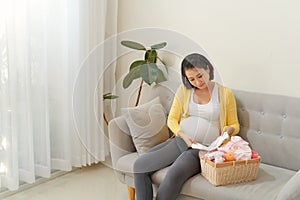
{"x":229,"y":172}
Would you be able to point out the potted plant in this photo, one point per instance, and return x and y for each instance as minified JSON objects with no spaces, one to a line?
{"x":147,"y":69}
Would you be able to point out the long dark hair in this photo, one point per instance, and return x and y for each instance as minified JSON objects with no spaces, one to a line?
{"x":195,"y":60}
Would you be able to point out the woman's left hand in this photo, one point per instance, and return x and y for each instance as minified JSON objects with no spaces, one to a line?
{"x":228,"y":129}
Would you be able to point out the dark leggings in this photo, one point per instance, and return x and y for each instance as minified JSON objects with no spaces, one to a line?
{"x":184,"y":164}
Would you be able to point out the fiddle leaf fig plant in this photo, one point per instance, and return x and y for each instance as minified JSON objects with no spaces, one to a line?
{"x":147,"y":69}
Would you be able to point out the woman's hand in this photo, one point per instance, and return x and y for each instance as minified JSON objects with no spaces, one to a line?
{"x":188,"y":140}
{"x":228,"y":129}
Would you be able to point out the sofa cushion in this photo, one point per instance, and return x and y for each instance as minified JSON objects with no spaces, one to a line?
{"x":269,"y":182}
{"x":291,"y":190}
{"x":147,"y":124}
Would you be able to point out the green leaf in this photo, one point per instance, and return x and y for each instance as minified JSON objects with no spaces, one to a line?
{"x":132,"y":74}
{"x":151,"y":56}
{"x":149,"y":72}
{"x":112,"y":97}
{"x":159,"y":46}
{"x":137,"y":63}
{"x":109,"y":96}
{"x":133,"y":45}
{"x":160,"y":77}
{"x":164,"y":64}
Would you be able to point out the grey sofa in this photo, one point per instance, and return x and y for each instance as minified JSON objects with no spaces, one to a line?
{"x":271,"y":124}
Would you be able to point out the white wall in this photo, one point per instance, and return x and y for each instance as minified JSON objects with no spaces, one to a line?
{"x":255,"y":45}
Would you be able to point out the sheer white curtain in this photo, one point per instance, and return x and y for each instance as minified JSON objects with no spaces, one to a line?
{"x":50,"y":94}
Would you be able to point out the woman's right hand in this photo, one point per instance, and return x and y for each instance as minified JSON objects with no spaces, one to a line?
{"x":187,"y":139}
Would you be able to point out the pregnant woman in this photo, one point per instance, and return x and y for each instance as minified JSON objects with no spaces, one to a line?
{"x":201,"y":111}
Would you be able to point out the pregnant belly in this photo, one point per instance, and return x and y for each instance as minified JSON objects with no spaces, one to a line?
{"x":200,"y":129}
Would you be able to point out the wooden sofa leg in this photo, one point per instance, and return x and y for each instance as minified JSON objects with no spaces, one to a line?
{"x":131,"y":193}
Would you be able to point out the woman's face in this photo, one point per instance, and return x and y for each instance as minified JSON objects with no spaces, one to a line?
{"x":198,"y":77}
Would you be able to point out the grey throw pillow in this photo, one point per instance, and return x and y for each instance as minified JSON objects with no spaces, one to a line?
{"x":147,"y":124}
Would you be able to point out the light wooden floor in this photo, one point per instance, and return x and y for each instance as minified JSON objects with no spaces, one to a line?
{"x":97,"y":182}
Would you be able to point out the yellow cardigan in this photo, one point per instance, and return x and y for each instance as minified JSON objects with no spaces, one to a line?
{"x":179,"y":109}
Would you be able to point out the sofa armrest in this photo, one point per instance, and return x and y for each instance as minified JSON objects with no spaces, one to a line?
{"x":120,"y":140}
{"x":291,"y":190}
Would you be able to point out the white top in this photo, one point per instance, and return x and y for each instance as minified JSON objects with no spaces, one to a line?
{"x":203,"y":121}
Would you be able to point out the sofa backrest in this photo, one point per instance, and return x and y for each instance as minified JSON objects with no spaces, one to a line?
{"x":271,"y":124}
{"x":166,"y":92}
